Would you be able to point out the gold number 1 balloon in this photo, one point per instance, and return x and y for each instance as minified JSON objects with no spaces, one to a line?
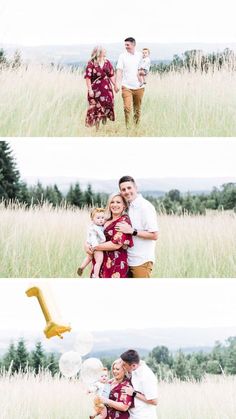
{"x":52,"y":328}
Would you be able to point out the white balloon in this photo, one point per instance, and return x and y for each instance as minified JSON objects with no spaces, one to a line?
{"x":91,"y":370}
{"x":83,"y":342}
{"x":70,"y":363}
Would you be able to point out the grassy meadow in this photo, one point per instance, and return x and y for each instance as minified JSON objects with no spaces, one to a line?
{"x":44,"y":102}
{"x":30,"y":397}
{"x":48,"y":242}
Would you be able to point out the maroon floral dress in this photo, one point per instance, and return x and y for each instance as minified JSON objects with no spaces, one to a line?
{"x":117,"y":396}
{"x":101,"y":106}
{"x":115,"y":262}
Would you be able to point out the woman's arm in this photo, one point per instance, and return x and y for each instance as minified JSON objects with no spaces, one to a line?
{"x":107,"y":246}
{"x":116,"y":405}
{"x":89,"y":86}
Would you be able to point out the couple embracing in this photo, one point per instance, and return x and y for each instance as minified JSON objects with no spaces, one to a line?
{"x":132,"y":392}
{"x":122,"y":237}
{"x":132,"y":68}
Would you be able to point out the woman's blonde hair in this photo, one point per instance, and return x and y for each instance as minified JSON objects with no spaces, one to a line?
{"x":108,"y":213}
{"x":118,"y":361}
{"x":96,"y":52}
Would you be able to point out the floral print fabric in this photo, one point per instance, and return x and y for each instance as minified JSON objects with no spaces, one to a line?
{"x":115,"y":262}
{"x":117,"y":396}
{"x":101,"y":106}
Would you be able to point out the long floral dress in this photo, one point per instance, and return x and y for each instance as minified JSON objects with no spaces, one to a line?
{"x":101,"y":106}
{"x":115,"y":262}
{"x":117,"y":396}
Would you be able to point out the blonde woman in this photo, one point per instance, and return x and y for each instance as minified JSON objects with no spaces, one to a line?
{"x":115,"y":260}
{"x":100,"y":77}
{"x":118,"y":403}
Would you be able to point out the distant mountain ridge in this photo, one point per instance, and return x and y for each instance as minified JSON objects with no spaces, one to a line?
{"x":81,"y":52}
{"x":151,"y":186}
{"x":111,"y":342}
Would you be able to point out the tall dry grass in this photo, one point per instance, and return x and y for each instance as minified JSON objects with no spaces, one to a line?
{"x":44,"y":397}
{"x":45,"y":102}
{"x":26,"y":396}
{"x":48,"y":242}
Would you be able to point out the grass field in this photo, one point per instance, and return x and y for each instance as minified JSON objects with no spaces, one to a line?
{"x":47,"y":242}
{"x":42,"y":397}
{"x":46,"y":102}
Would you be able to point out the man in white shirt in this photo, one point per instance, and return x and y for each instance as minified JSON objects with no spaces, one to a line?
{"x":144,"y":229}
{"x":127,"y":77}
{"x":144,"y":386}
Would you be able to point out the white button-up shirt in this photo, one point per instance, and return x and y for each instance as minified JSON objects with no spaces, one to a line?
{"x":129,"y":64}
{"x":143,"y":217}
{"x":144,"y":381}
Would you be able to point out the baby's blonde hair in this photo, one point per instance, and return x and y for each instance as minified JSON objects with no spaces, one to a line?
{"x":96,"y":211}
{"x":146,"y":49}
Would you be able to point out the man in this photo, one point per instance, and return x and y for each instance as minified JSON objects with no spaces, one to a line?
{"x":127,"y":76}
{"x":144,"y":386}
{"x":144,"y":229}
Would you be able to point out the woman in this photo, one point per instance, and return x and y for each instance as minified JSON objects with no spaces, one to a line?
{"x":115,"y":264}
{"x":118,"y":403}
{"x":99,"y":76}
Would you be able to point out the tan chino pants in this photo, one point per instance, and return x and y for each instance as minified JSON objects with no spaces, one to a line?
{"x":132,"y":97}
{"x":141,"y":271}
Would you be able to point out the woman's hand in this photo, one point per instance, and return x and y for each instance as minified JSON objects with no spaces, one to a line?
{"x":116,"y":88}
{"x":91,"y":92}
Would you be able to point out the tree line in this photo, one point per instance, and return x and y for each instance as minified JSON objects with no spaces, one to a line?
{"x":190,"y":60}
{"x":197,"y":60}
{"x":13,"y":189}
{"x":221,"y":360}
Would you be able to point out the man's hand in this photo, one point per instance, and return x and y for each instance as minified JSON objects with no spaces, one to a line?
{"x":124,"y":227}
{"x":128,"y":390}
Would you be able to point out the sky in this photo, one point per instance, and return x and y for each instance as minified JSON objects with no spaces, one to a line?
{"x":27,"y":22}
{"x":111,"y":158}
{"x":111,"y":305}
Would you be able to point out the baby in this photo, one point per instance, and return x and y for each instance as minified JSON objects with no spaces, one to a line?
{"x":144,"y":66}
{"x":101,"y":388}
{"x":95,"y":236}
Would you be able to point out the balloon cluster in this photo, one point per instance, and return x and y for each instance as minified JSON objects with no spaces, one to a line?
{"x":70,"y":363}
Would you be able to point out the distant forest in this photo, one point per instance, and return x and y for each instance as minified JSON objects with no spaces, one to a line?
{"x":221,"y":360}
{"x":191,"y":60}
{"x":14,"y":190}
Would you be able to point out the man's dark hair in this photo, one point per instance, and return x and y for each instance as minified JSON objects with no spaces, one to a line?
{"x":126,"y":179}
{"x":131,"y":357}
{"x":130,"y":39}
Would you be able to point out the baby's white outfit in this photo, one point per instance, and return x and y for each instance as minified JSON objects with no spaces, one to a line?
{"x":95,"y":235}
{"x":145,"y":64}
{"x":101,"y":389}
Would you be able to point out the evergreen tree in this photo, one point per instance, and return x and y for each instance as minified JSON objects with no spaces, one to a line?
{"x":38,"y":358}
{"x":9,"y":175}
{"x":88,"y":196}
{"x":52,"y":364}
{"x":22,"y":356}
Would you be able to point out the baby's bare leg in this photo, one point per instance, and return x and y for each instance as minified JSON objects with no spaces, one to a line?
{"x":98,"y":256}
{"x":86,"y":262}
{"x":103,"y":413}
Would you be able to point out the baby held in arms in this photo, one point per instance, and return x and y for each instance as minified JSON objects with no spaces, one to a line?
{"x":95,"y":236}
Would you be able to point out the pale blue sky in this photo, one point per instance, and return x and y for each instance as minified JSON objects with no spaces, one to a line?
{"x":111,"y":158}
{"x":63,"y":22}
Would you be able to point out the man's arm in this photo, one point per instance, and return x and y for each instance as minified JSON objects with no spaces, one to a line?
{"x":119,"y":75}
{"x":129,"y":391}
{"x":128,"y":229}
